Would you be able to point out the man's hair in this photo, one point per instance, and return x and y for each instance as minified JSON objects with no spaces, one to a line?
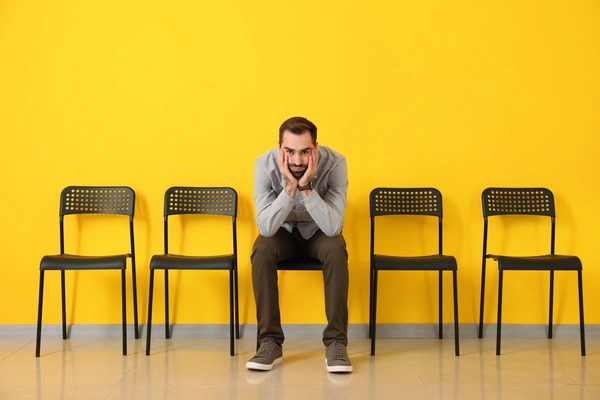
{"x":297,"y":126}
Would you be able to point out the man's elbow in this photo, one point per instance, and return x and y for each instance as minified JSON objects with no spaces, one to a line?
{"x":265,"y":232}
{"x":334,"y":231}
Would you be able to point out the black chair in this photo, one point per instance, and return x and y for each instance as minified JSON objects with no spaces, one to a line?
{"x":529,"y":202}
{"x":119,"y":200}
{"x":295,"y":264}
{"x":409,"y":201}
{"x":180,"y":200}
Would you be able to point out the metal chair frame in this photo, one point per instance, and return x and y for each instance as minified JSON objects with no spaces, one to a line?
{"x":409,"y":201}
{"x":531,"y":202}
{"x":199,"y":201}
{"x":77,"y":200}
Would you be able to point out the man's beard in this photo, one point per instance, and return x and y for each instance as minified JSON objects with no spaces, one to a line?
{"x":297,"y":174}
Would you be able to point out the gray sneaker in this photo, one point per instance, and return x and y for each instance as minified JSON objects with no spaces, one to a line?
{"x":336,"y":358}
{"x":268,"y":354}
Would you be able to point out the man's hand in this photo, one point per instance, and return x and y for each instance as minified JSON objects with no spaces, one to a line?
{"x":291,"y":183}
{"x":313,"y":163}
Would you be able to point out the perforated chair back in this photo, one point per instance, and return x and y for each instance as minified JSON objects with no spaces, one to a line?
{"x":517,"y":201}
{"x":193,"y":200}
{"x":202,"y":201}
{"x":396,"y":201}
{"x":97,"y":200}
{"x":406,"y":201}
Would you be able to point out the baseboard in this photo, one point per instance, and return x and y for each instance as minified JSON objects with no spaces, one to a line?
{"x":355,"y":331}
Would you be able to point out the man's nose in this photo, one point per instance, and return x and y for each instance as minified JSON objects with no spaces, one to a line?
{"x":296,"y":159}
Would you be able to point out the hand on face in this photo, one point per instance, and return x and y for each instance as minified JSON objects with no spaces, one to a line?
{"x":311,"y":170}
{"x":284,"y":168}
{"x":298,"y":159}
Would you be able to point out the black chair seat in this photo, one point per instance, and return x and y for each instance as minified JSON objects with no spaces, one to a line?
{"x":549,"y":262}
{"x":176,"y":261}
{"x":300,"y":264}
{"x":433,"y":262}
{"x":74,"y":262}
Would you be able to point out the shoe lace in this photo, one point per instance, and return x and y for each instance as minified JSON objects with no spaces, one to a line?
{"x":339,"y":351}
{"x":266,"y":349}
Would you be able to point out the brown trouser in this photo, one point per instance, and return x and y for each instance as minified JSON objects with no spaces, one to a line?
{"x":331,"y":251}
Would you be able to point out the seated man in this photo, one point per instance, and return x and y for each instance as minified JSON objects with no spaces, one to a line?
{"x":300,"y":198}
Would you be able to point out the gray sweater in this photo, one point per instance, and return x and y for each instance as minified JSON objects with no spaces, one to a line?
{"x":322,"y":209}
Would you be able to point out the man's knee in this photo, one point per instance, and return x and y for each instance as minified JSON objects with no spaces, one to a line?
{"x":334,"y":245}
{"x":264,"y":247}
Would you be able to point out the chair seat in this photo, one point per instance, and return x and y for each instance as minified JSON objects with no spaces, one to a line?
{"x":295,"y":264}
{"x":175,"y":261}
{"x":433,"y":262}
{"x":549,"y":262}
{"x":76,"y":262}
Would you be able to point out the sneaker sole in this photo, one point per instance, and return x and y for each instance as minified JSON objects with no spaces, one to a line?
{"x":338,"y":368}
{"x":263,"y":367}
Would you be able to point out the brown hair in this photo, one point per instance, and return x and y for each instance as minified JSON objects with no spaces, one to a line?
{"x":298,"y":125}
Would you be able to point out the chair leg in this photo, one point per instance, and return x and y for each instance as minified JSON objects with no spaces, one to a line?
{"x":124,"y":307}
{"x":371,"y":303}
{"x":581,"y":324}
{"x":374,"y":313}
{"x":237,"y":305}
{"x":150,"y":298}
{"x":64,"y":304}
{"x":231,"y":314}
{"x":499,"y":322}
{"x":38,"y":337}
{"x":481,"y":299}
{"x":136,"y":330}
{"x":441,"y":305}
{"x":456,"y":337}
{"x":167,"y":335}
{"x":551,"y":305}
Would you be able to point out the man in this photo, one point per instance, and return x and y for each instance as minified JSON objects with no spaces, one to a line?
{"x":300,"y":193}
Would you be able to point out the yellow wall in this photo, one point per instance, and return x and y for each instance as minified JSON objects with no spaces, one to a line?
{"x":458,"y":95}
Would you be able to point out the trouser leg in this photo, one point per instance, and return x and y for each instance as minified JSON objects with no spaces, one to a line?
{"x":331,"y":251}
{"x":265,"y":254}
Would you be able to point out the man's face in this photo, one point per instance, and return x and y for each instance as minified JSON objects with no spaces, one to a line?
{"x":297,"y":148}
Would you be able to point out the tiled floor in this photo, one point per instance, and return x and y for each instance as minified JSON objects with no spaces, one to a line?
{"x":202,"y":369}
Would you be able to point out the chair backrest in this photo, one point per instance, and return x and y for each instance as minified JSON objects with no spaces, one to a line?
{"x":97,"y":200}
{"x":201,"y":200}
{"x":518,"y":201}
{"x":405,"y":201}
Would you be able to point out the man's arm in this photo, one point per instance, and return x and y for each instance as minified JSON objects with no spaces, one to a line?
{"x":328,"y":212}
{"x":271,"y":209}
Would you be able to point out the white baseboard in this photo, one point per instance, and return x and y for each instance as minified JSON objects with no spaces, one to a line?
{"x":355,"y":331}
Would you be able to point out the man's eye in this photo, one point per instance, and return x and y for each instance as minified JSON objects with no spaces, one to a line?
{"x":305,"y":151}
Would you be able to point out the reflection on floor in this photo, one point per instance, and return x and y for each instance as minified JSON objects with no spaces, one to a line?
{"x":202,"y":369}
